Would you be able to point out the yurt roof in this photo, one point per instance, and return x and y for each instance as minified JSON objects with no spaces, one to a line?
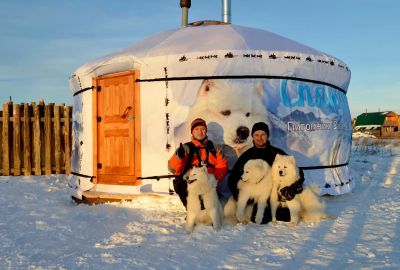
{"x":216,"y":37}
{"x":210,"y":38}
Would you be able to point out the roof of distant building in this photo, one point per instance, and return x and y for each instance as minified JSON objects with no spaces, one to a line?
{"x":372,"y":118}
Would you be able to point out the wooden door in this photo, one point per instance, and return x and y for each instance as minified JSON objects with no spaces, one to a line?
{"x":116,"y":129}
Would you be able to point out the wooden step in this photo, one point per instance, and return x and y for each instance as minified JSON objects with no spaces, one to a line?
{"x":96,"y":197}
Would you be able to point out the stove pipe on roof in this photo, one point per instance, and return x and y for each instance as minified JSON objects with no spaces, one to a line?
{"x":185,"y":5}
{"x":226,"y":11}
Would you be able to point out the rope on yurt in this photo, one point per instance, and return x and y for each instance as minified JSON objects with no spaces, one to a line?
{"x":166,"y":103}
{"x":329,"y":167}
{"x":84,"y":175}
{"x":324,"y":167}
{"x":167,"y":124}
{"x":83,"y":90}
{"x":239,"y":77}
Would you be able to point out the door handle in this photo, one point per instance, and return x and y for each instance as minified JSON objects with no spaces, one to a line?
{"x":126,"y":112}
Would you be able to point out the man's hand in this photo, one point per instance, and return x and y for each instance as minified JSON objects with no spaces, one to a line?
{"x":288,"y":193}
{"x":180,"y":152}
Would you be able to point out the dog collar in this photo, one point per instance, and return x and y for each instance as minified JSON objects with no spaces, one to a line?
{"x":191,"y":181}
{"x":262,"y":177}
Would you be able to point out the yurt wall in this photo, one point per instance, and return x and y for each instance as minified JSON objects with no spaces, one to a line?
{"x":231,"y":76}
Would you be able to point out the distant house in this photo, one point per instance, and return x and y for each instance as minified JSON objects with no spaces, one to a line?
{"x":380,"y":124}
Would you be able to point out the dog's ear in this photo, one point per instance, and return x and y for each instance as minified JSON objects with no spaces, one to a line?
{"x":204,"y":168}
{"x":265,"y":165}
{"x":292,"y":159}
{"x":277,"y":157}
{"x":186,"y":175}
{"x":206,"y":87}
{"x":260,"y":163}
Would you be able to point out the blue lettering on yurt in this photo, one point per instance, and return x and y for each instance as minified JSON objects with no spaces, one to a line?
{"x":318,"y":96}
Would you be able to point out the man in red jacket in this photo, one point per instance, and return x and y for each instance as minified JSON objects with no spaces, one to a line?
{"x":198,"y":152}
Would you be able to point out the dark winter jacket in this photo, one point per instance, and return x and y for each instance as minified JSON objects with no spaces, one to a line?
{"x":268,"y":154}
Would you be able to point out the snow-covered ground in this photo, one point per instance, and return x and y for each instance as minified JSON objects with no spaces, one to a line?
{"x":42,"y":228}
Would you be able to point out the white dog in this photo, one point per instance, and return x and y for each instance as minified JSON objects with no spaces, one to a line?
{"x":202,"y":189}
{"x":230,"y":209}
{"x":230,"y":108}
{"x":256,"y":184}
{"x":306,"y":205}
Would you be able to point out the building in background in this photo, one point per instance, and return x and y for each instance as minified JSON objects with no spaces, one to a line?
{"x":379,"y":124}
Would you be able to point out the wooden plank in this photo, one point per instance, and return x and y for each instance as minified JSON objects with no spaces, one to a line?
{"x":67,"y":139}
{"x":17,"y":139}
{"x":53,"y":162}
{"x":11,"y":138}
{"x":1,"y":143}
{"x":57,"y":139}
{"x":27,"y":142}
{"x":42,"y":138}
{"x":5,"y":141}
{"x":92,"y":197}
{"x":47,"y":140}
{"x":138,"y":137}
{"x":36,"y":139}
{"x":62,"y":138}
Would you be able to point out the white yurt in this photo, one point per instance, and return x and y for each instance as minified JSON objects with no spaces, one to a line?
{"x":132,"y":108}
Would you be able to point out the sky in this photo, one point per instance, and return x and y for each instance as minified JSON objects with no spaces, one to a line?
{"x":42,"y":228}
{"x":43,"y":42}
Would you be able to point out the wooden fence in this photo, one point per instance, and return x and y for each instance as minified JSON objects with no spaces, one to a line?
{"x":35,"y":139}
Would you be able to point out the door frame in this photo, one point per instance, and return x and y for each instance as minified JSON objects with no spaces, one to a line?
{"x":137,"y":123}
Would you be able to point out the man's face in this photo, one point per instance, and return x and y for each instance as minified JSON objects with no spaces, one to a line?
{"x":260,"y":138}
{"x":199,"y":133}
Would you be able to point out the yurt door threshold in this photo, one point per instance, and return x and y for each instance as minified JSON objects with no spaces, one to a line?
{"x":97,"y":197}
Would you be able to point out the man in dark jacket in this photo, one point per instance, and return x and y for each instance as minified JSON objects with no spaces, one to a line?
{"x":262,"y":149}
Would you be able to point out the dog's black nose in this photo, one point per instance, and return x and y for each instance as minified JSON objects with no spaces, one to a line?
{"x":281,"y":173}
{"x":242,"y":132}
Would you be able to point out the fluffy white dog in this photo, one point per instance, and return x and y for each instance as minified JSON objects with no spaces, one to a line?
{"x":305,"y":206}
{"x":202,"y":189}
{"x":256,"y":184}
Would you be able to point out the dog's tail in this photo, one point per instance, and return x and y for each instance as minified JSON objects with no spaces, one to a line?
{"x":230,"y":207}
{"x":315,"y":189}
{"x":230,"y":212}
{"x":313,"y":209}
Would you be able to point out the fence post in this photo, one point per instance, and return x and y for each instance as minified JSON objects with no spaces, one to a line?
{"x":67,"y":139}
{"x":17,"y":139}
{"x":27,"y":142}
{"x":36,"y":139}
{"x":47,"y":140}
{"x":57,"y":139}
{"x":6,"y":148}
{"x":1,"y":143}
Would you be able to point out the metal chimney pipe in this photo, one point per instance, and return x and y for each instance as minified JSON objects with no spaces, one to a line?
{"x":226,"y":11}
{"x":185,"y":5}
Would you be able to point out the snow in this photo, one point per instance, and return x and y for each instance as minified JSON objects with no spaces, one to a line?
{"x":42,"y":228}
{"x":367,"y":127}
{"x":359,"y":134}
